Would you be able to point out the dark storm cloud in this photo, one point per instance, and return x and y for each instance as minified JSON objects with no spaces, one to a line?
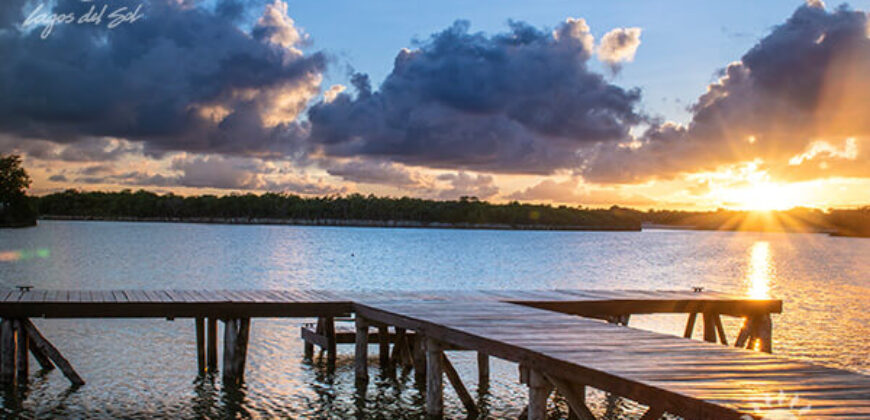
{"x":801,"y":91}
{"x":181,"y":78}
{"x":83,"y":150}
{"x":522,"y":101}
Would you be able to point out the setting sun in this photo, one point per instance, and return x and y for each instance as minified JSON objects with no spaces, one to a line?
{"x":761,"y":196}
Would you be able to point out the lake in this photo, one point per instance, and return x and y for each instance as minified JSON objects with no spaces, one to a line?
{"x":147,"y":368}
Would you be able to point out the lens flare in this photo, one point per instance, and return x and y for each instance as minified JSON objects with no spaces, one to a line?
{"x":23,"y":255}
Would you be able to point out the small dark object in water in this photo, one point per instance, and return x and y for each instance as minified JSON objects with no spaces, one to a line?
{"x":697,"y":289}
{"x":24,"y":288}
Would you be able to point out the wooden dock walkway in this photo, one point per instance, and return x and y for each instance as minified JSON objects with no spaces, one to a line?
{"x":692,"y":379}
{"x":538,"y":329}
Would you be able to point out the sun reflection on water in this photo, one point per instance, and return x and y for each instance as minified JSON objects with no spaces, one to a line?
{"x":760,"y":271}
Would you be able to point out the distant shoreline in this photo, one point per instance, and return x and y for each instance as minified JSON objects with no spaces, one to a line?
{"x":421,"y":225}
{"x":342,"y":222}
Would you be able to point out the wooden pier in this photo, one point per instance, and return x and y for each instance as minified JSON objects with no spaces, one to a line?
{"x":562,"y":340}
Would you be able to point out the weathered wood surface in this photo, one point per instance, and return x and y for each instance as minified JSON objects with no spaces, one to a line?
{"x":693,"y":379}
{"x":226,"y":304}
{"x":320,"y":303}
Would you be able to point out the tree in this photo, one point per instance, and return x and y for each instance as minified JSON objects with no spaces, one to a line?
{"x":15,"y":207}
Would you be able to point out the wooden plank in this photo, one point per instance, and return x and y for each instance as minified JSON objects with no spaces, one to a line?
{"x":688,"y":378}
{"x":37,"y":340}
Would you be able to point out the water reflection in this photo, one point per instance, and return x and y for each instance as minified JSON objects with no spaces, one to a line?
{"x":760,"y":271}
{"x":822,"y":280}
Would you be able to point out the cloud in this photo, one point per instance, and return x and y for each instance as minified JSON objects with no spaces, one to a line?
{"x":218,"y":172}
{"x":463,"y":184}
{"x":549,"y":190}
{"x":210,"y":171}
{"x":182,"y":78}
{"x":378,"y":172}
{"x":572,"y":191}
{"x":802,"y":86}
{"x":517,"y":102}
{"x":84,"y":150}
{"x":619,"y":46}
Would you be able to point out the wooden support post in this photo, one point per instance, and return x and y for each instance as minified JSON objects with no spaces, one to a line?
{"x":211,"y":346}
{"x":361,"y":355}
{"x":764,"y":328}
{"x":400,"y":355}
{"x":331,"y":345}
{"x":575,"y":395}
{"x":690,"y":325}
{"x":539,"y":392}
{"x":38,"y":341}
{"x":459,"y":387}
{"x":22,"y":358}
{"x":318,"y":330}
{"x":745,"y":332}
{"x":652,"y":413}
{"x":409,"y":350}
{"x":7,"y":352}
{"x":419,"y":357}
{"x":619,"y":319}
{"x":434,"y":379}
{"x":720,"y":329}
{"x":709,"y":328}
{"x":236,"y":333}
{"x":482,"y":372}
{"x":309,"y":346}
{"x":200,"y":345}
{"x":384,"y":348}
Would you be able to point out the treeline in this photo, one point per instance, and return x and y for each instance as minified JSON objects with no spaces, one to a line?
{"x":842,"y":222}
{"x":270,"y":207}
{"x":370,"y":210}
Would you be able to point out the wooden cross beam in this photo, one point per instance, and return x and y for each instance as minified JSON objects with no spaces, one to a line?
{"x":46,"y":348}
{"x":456,"y":382}
{"x":575,"y":396}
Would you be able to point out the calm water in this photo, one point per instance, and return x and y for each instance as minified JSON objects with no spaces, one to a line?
{"x":146,"y":368}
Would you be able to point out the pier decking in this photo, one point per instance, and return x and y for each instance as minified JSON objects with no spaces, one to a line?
{"x":539,"y":330}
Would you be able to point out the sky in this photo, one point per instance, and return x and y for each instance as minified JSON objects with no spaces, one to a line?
{"x":670,"y":104}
